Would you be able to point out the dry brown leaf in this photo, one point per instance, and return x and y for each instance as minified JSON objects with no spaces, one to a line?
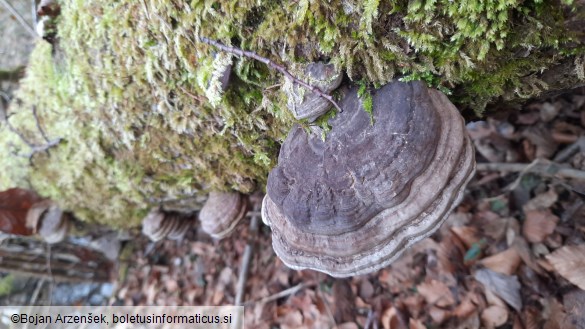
{"x":538,"y":225}
{"x":293,"y":319}
{"x":467,"y":234}
{"x":494,"y":226}
{"x":574,"y":302}
{"x":436,"y":293}
{"x":391,"y":320}
{"x":343,"y":308}
{"x":14,"y":206}
{"x":414,"y":304}
{"x":471,"y":322}
{"x":504,"y":286}
{"x":494,"y":316}
{"x":465,"y":308}
{"x":569,"y":262}
{"x":517,"y":323}
{"x":438,"y":315}
{"x":366,"y":289}
{"x":523,"y":250}
{"x":416,"y":324}
{"x":532,"y":319}
{"x":556,"y":314}
{"x":542,"y":201}
{"x":348,"y":325}
{"x":492,"y":299}
{"x":505,"y":262}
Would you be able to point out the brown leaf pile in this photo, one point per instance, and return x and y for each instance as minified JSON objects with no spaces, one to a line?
{"x":512,"y":255}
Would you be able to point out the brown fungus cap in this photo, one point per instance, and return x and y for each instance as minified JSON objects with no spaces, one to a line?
{"x":222,"y":212}
{"x":353,"y":203}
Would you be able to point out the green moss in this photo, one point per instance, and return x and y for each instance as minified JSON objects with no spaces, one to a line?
{"x":367,"y":101}
{"x":143,"y":118}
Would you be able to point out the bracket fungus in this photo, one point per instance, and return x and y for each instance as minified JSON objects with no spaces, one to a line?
{"x":306,"y":104}
{"x":48,"y":220}
{"x":221,"y":213}
{"x":172,"y":225}
{"x":353,"y":203}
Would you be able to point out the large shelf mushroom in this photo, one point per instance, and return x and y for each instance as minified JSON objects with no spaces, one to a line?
{"x":353,"y":203}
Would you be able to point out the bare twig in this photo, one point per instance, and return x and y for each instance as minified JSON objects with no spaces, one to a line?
{"x":271,"y":64}
{"x":38,"y":123}
{"x":284,"y":293}
{"x":35,"y":148}
{"x":327,"y":307}
{"x":19,"y":18}
{"x":50,"y":273}
{"x":372,"y":320}
{"x":34,"y":11}
{"x":247,"y":258}
{"x":566,"y":153}
{"x":539,"y":167}
{"x":35,"y":295}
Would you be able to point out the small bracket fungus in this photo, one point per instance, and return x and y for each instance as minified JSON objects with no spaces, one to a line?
{"x":306,"y":104}
{"x":222,"y":212}
{"x":353,"y":203}
{"x":172,"y":225}
{"x":48,"y":220}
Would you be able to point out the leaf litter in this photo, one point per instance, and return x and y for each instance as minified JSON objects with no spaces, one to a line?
{"x":512,"y":255}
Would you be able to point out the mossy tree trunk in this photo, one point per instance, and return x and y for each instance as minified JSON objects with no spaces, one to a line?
{"x":143,"y":118}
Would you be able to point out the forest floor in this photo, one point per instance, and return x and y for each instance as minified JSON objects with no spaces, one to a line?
{"x":512,"y":254}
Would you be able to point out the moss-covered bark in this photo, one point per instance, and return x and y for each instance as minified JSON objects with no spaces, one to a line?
{"x":144,"y":120}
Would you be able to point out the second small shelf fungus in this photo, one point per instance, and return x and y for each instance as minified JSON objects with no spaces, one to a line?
{"x":222,"y":212}
{"x":353,"y":203}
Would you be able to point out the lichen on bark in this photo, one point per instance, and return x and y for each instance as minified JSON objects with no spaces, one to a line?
{"x":144,"y":121}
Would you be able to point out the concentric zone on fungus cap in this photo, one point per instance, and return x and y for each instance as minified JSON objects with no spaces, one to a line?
{"x":352,"y":203}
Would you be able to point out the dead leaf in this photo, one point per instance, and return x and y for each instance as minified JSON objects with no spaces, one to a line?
{"x":436,"y":293}
{"x":574,"y":302}
{"x":556,"y":315}
{"x":414,"y":304}
{"x":505,"y":262}
{"x":343,"y":308}
{"x":467,"y":234}
{"x":569,"y":262}
{"x":391,"y":320}
{"x":293,"y":319}
{"x":14,"y":206}
{"x":348,"y":325}
{"x":494,"y":316}
{"x":438,"y":315}
{"x":523,"y":250}
{"x":471,"y":322}
{"x":542,"y":201}
{"x":366,"y":289}
{"x":538,"y":225}
{"x":416,"y":324}
{"x":506,"y":287}
{"x":465,"y":308}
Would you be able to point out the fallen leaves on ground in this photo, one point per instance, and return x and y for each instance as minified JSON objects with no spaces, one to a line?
{"x":512,"y":255}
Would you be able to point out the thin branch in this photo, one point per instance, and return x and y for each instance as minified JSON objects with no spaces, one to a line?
{"x":327,"y":307}
{"x":35,"y":295}
{"x":549,"y":169}
{"x":19,"y":18}
{"x":284,"y":293}
{"x":38,"y":123}
{"x":271,"y":64}
{"x":34,"y":11}
{"x":566,"y":153}
{"x":372,"y":320}
{"x":247,"y":258}
{"x":35,"y":148}
{"x":50,"y":273}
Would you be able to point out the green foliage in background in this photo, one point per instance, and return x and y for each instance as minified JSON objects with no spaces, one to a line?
{"x":139,"y":102}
